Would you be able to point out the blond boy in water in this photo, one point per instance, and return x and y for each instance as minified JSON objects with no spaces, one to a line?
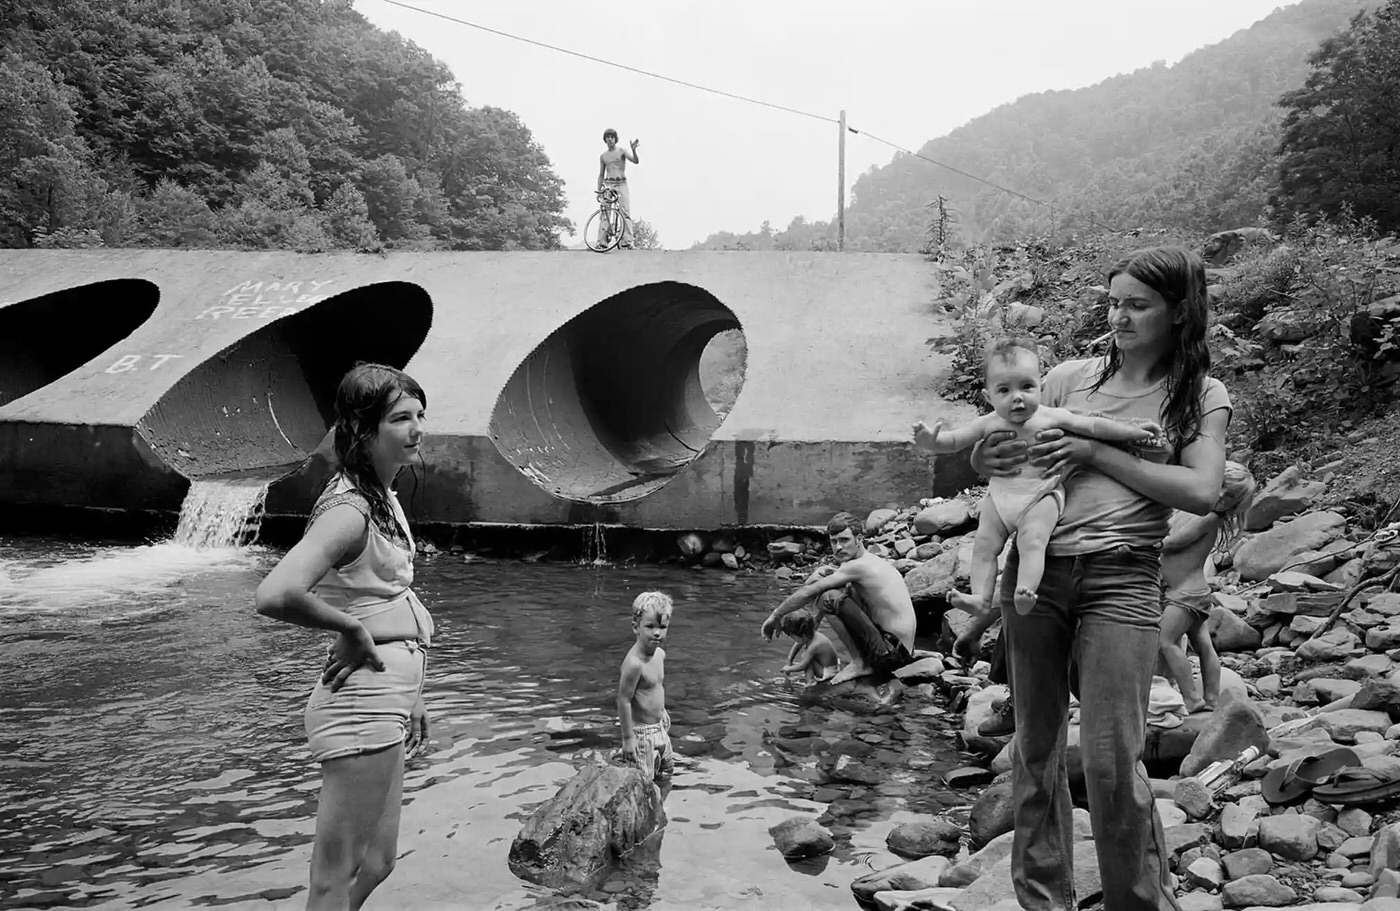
{"x":641,"y":690}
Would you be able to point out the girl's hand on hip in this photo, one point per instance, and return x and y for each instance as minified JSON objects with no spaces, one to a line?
{"x":350,"y":651}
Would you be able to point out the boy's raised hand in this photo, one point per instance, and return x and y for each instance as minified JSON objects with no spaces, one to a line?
{"x":924,"y":435}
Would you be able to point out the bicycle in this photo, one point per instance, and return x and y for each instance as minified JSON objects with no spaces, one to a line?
{"x":607,"y":226}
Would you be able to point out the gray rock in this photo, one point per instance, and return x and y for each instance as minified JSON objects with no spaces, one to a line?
{"x":878,"y":519}
{"x":994,"y":885}
{"x":967,"y":872}
{"x":923,"y":873}
{"x":1342,"y":725}
{"x":1385,"y":849}
{"x":1338,"y":894}
{"x":1291,"y":836}
{"x":1234,"y":726}
{"x":1239,"y":826}
{"x":933,"y":579}
{"x":1286,"y":494}
{"x":920,"y":839}
{"x":1334,"y":645}
{"x":1354,"y":821}
{"x":799,"y":837}
{"x":1204,"y":873}
{"x":1257,"y":889}
{"x":1199,"y":901}
{"x":991,"y":813}
{"x":941,"y":518}
{"x":1267,"y":553}
{"x":595,"y":819}
{"x":1249,"y":862}
{"x":1229,"y":632}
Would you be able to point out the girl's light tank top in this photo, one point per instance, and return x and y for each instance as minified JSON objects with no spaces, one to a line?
{"x":377,"y":581}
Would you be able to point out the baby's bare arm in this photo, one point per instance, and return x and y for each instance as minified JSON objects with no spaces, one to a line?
{"x":940,"y":440}
{"x":1098,"y":428}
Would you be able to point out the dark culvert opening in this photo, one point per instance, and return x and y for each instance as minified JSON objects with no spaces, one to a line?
{"x":46,"y":338}
{"x":611,"y":406}
{"x":262,"y":405}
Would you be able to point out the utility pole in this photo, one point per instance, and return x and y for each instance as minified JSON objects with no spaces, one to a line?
{"x":841,"y":187}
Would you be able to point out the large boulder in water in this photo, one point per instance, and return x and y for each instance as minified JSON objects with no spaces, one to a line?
{"x":597,"y":818}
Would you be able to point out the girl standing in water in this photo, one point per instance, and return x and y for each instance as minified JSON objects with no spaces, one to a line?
{"x":350,"y":574}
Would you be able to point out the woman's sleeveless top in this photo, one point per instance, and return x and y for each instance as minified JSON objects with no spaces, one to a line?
{"x":378,"y":580}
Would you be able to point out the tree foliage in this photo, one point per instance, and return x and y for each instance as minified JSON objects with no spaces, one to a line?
{"x":1340,"y":147}
{"x":252,"y":123}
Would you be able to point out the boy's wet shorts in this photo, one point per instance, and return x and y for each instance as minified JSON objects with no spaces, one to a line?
{"x":371,"y":711}
{"x":655,"y":757}
{"x":1197,"y":604}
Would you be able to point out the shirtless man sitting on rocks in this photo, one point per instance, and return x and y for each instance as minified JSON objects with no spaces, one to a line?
{"x":865,"y":600}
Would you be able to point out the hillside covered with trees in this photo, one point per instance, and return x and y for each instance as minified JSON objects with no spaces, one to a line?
{"x":1191,"y":148}
{"x":290,"y":124}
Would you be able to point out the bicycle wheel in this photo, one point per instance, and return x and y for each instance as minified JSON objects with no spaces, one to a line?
{"x":603,"y":231}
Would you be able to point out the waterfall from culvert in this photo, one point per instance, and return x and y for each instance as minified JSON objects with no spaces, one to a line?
{"x":222,"y":512}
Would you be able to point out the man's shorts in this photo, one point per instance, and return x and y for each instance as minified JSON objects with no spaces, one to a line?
{"x":879,"y":649}
{"x":655,"y":757}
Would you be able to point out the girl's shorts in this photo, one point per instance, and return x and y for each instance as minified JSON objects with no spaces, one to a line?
{"x":371,"y":711}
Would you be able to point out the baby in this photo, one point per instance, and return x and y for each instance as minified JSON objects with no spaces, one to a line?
{"x":641,"y":690}
{"x":1027,"y":504}
{"x":812,"y":653}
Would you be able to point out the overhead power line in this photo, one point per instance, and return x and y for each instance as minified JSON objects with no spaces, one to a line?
{"x":737,"y":97}
{"x":981,"y":180}
{"x":612,"y":63}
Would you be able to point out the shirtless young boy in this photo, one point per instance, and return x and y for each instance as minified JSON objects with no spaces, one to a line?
{"x":866,"y":600}
{"x":641,"y":690}
{"x":612,"y":170}
{"x":1028,"y":504}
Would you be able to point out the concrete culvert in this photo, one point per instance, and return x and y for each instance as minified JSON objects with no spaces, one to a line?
{"x":45,"y":338}
{"x":263,"y":405}
{"x":611,"y":406}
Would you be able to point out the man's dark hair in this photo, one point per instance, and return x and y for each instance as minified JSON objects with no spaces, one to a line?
{"x":609,"y":132}
{"x":843,"y":520}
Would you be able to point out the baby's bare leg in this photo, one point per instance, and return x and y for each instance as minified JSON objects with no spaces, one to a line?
{"x":1032,"y":537}
{"x":986,"y":547}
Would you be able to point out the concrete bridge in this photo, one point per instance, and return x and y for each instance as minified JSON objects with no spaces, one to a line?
{"x":563,"y":388}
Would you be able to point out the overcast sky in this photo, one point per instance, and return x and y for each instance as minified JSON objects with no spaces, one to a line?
{"x":905,"y":70}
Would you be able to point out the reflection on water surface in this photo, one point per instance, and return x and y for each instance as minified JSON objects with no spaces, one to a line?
{"x":151,"y":750}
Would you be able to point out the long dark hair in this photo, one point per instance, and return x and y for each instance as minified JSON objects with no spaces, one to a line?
{"x":365,"y":395}
{"x":1179,"y":275}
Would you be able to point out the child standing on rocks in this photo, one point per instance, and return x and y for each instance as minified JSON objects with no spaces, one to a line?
{"x":1027,"y":504}
{"x":1186,"y":593}
{"x":812,"y":653}
{"x":641,"y":690}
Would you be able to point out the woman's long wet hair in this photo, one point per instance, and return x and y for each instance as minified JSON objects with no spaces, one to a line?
{"x":364,"y":396}
{"x":1179,"y":275}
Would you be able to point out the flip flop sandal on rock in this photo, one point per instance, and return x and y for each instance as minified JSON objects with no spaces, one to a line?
{"x":1359,"y":785}
{"x":1287,"y":783}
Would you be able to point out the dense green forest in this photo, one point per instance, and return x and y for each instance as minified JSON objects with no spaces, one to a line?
{"x":1225,"y":137}
{"x":291,"y":124}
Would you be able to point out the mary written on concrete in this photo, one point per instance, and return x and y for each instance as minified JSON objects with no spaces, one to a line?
{"x":1101,"y":594}
{"x":350,"y":574}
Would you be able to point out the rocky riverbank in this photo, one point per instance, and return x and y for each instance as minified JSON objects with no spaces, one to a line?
{"x":1309,"y":636}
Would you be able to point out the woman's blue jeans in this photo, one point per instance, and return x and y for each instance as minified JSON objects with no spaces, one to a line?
{"x":1105,"y":609}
